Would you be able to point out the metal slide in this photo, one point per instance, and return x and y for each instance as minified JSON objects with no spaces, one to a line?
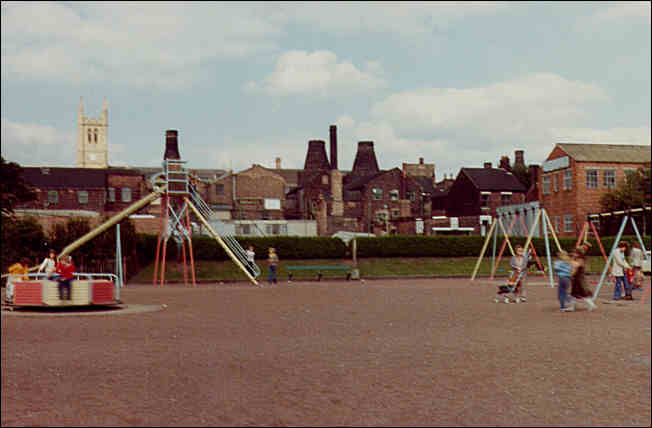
{"x":230,"y":245}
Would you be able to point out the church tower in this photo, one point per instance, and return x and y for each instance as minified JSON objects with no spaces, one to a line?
{"x":92,"y":139}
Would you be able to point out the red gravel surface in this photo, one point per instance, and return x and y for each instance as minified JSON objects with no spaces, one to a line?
{"x":419,"y":352}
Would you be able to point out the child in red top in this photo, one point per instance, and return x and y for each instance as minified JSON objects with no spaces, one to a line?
{"x":65,"y":268}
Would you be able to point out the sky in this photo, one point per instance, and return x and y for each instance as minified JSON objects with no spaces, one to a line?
{"x":455,"y":83}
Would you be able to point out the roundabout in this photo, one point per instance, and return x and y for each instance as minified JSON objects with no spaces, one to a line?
{"x":77,"y":311}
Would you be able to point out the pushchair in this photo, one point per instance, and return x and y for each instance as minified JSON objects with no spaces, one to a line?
{"x":509,"y":292}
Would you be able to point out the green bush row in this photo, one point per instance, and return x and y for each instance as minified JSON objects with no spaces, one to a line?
{"x":287,"y":247}
{"x":290,"y":247}
{"x":468,"y":246}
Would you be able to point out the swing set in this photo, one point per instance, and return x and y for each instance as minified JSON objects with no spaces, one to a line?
{"x":542,"y":216}
{"x":627,"y":216}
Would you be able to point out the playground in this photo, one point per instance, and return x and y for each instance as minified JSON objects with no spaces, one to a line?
{"x":419,"y":352}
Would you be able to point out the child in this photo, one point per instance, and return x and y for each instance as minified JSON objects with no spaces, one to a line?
{"x":48,"y":265}
{"x":15,"y":272}
{"x":66,"y":269}
{"x":250,"y":259}
{"x":564,"y":271}
{"x":636,"y":259}
{"x":519,"y":264}
{"x":579,"y":290}
{"x":272,"y":260}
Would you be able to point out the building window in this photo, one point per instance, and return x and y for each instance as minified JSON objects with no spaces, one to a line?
{"x":505,"y":199}
{"x":591,"y":178}
{"x":110,"y":194}
{"x":568,"y":223}
{"x":275,"y":229}
{"x":609,"y":178}
{"x":412,"y":196}
{"x":555,"y":182}
{"x":245,"y":229}
{"x":393,"y":195}
{"x":126,"y":194}
{"x":53,"y":197}
{"x":484,"y":200}
{"x":568,"y":180}
{"x":555,"y":221}
{"x":396,"y":213}
{"x":629,"y":171}
{"x":377,"y":194}
{"x":219,"y":189}
{"x":546,"y":184}
{"x":82,"y":196}
{"x":89,"y":136}
{"x":95,"y":135}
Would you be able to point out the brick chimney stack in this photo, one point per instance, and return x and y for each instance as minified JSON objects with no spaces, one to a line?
{"x":171,"y":145}
{"x":333,"y":141}
{"x":519,"y":158}
{"x":278,"y":163}
{"x":487,"y":165}
{"x":504,"y":163}
{"x":316,"y":157}
{"x":365,"y":162}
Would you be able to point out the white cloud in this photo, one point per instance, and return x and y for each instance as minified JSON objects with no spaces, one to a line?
{"x":239,"y":153}
{"x":513,"y":108}
{"x":404,"y":19}
{"x":140,"y":44}
{"x":33,"y":144}
{"x":167,"y":44}
{"x":456,"y":128}
{"x":318,"y":73}
{"x":622,"y":11}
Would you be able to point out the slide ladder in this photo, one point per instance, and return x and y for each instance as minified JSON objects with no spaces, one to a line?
{"x":227,"y":240}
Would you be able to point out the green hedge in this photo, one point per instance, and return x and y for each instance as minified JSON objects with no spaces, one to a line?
{"x":290,"y":247}
{"x":466,"y":246}
{"x":287,"y":247}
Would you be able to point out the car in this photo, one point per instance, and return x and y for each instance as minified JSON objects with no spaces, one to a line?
{"x":645,"y":267}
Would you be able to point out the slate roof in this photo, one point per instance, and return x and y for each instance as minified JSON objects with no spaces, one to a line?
{"x":359,"y":182}
{"x":48,"y":177}
{"x":424,"y":182}
{"x":618,"y":153}
{"x":56,"y":177}
{"x":291,"y":176}
{"x":493,"y":179}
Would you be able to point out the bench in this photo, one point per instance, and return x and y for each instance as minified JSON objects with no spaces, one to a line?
{"x":319,"y":269}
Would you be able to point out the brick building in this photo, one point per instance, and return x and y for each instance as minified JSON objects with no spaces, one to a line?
{"x":82,"y":192}
{"x":575,"y":176}
{"x":470,"y":203}
{"x":365,"y":199}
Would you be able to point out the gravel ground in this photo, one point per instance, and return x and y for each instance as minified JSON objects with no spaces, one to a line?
{"x":418,"y":352}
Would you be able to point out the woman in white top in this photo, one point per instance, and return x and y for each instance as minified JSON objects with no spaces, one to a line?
{"x":48,"y":264}
{"x":618,"y":269}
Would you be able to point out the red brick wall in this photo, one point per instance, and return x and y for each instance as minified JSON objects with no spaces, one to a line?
{"x":579,"y":200}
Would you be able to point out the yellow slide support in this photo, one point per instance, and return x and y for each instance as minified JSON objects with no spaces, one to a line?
{"x":221,"y":242}
{"x":113,"y":220}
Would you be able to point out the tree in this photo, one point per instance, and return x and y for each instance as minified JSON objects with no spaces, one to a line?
{"x":522,"y":173}
{"x":633,"y":192}
{"x":13,"y":188}
{"x":21,"y":237}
